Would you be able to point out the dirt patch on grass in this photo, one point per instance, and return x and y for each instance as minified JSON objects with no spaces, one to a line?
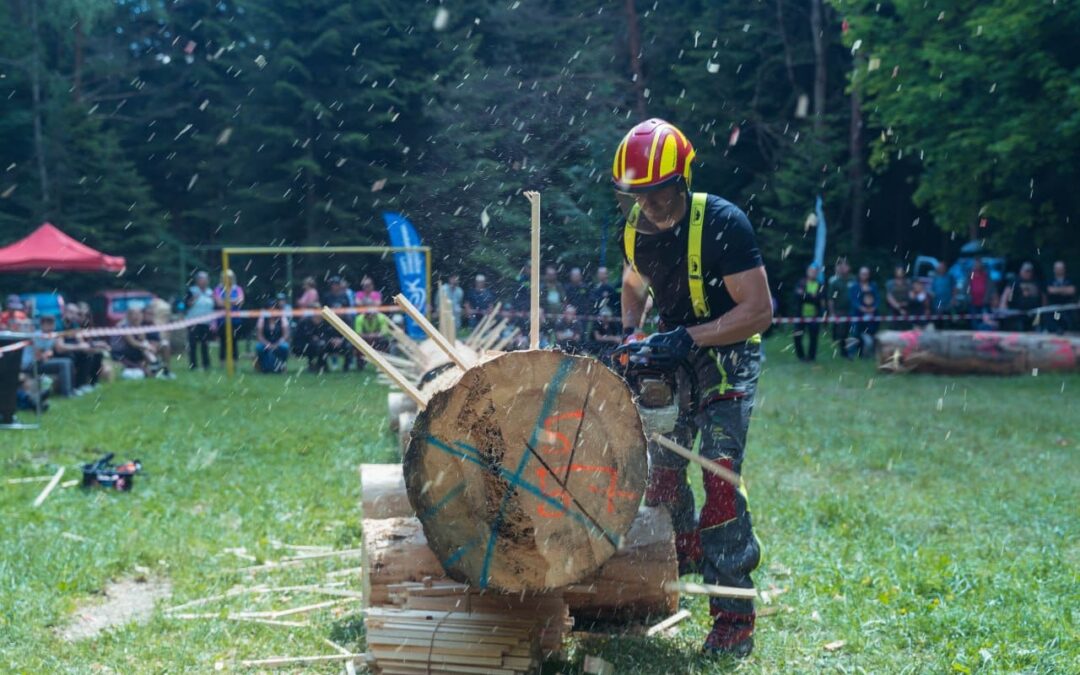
{"x":122,"y":602}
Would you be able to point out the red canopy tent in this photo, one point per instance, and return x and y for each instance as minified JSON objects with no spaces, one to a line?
{"x":49,"y":248}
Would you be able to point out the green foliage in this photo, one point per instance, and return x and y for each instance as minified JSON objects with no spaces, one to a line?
{"x":982,"y":98}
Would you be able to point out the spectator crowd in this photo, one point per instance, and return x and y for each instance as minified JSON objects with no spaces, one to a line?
{"x":577,"y":316}
{"x":949,"y":293}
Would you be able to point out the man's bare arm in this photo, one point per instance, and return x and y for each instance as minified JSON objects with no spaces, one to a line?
{"x":634,"y":294}
{"x":751,"y":314}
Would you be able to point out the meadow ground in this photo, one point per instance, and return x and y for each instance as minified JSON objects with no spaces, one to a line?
{"x":930,"y":524}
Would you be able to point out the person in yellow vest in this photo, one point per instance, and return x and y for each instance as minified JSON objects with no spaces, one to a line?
{"x":374,"y":326}
{"x":697,"y":256}
{"x":810,"y":293}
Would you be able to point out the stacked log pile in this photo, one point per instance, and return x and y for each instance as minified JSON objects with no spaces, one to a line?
{"x":628,"y":587}
{"x":446,"y":627}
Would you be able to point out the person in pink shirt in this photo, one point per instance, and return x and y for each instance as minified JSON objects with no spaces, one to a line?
{"x":310,"y":297}
{"x":367,"y":296}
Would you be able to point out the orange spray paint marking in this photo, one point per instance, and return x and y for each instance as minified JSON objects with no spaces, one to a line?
{"x":608,"y":487}
{"x":559,"y":439}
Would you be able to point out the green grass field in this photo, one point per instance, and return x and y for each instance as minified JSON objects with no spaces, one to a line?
{"x":929,"y":523}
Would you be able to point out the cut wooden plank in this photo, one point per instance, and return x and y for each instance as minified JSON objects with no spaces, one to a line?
{"x":528,"y":470}
{"x":534,"y":271}
{"x":49,"y":488}
{"x":712,"y":590}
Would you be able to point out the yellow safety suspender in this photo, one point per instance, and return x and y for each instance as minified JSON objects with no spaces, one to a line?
{"x":693,"y":257}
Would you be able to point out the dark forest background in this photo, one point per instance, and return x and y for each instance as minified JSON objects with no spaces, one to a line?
{"x":147,"y":127}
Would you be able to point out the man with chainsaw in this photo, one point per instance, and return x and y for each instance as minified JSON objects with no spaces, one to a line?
{"x":697,"y":256}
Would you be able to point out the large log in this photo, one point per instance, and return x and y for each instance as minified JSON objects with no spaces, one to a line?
{"x":976,"y":352}
{"x":527,"y":469}
{"x":629,"y":586}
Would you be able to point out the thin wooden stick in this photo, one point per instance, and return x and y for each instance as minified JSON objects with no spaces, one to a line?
{"x":290,"y":660}
{"x":29,"y":479}
{"x":481,"y":329}
{"x":534,"y":281}
{"x":710,"y":590}
{"x":707,"y":464}
{"x":447,"y":325}
{"x":436,"y":337}
{"x":501,"y":344}
{"x":493,"y":336}
{"x":49,"y":488}
{"x":374,"y":356}
{"x":408,"y":346}
{"x":675,"y":618}
{"x":236,"y":617}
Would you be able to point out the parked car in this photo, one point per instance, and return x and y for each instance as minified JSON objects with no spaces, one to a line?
{"x":960,"y":271}
{"x":43,"y":304}
{"x":109,"y":307}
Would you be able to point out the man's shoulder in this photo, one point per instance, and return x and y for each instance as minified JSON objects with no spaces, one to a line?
{"x":720,"y":211}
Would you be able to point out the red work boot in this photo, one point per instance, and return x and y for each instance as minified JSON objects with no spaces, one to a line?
{"x":732,"y":635}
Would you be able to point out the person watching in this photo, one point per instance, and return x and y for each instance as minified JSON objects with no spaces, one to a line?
{"x":810,"y":294}
{"x":1062,"y":291}
{"x":272,"y":337}
{"x":85,"y":355}
{"x":200,"y":304}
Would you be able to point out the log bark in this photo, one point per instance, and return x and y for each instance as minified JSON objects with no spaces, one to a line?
{"x":527,"y":470}
{"x":977,"y":352}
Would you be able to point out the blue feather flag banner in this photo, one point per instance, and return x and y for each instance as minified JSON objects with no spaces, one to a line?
{"x":410,"y":266}
{"x":819,"y":242}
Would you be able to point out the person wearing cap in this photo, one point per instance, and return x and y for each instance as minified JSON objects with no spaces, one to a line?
{"x":14,"y":312}
{"x":340,"y":297}
{"x":696,"y":254}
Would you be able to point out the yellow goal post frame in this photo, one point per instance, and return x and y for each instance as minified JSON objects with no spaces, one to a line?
{"x":227,"y":251}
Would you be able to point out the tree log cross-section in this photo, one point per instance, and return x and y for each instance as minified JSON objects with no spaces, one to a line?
{"x":527,"y":471}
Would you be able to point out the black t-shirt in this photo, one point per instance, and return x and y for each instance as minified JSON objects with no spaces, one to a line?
{"x":728,"y":246}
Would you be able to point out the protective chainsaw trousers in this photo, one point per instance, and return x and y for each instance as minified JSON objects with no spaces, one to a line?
{"x":722,"y":537}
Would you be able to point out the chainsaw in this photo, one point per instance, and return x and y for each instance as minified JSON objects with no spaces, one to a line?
{"x":660,"y":394}
{"x":103,"y":473}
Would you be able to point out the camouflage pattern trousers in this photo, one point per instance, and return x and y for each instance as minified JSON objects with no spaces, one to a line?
{"x":721,"y":540}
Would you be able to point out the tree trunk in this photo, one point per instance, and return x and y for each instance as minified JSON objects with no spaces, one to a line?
{"x":38,"y":108}
{"x":629,"y":586}
{"x":820,"y":65}
{"x":527,"y":469}
{"x":858,"y":181}
{"x":634,"y":38}
{"x":76,"y":73}
{"x":966,"y":352}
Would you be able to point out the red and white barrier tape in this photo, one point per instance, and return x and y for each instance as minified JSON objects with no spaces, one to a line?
{"x":387,"y":309}
{"x":218,"y":315}
{"x":15,"y":346}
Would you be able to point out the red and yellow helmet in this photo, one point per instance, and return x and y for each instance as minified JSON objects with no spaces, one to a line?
{"x":655,"y":153}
